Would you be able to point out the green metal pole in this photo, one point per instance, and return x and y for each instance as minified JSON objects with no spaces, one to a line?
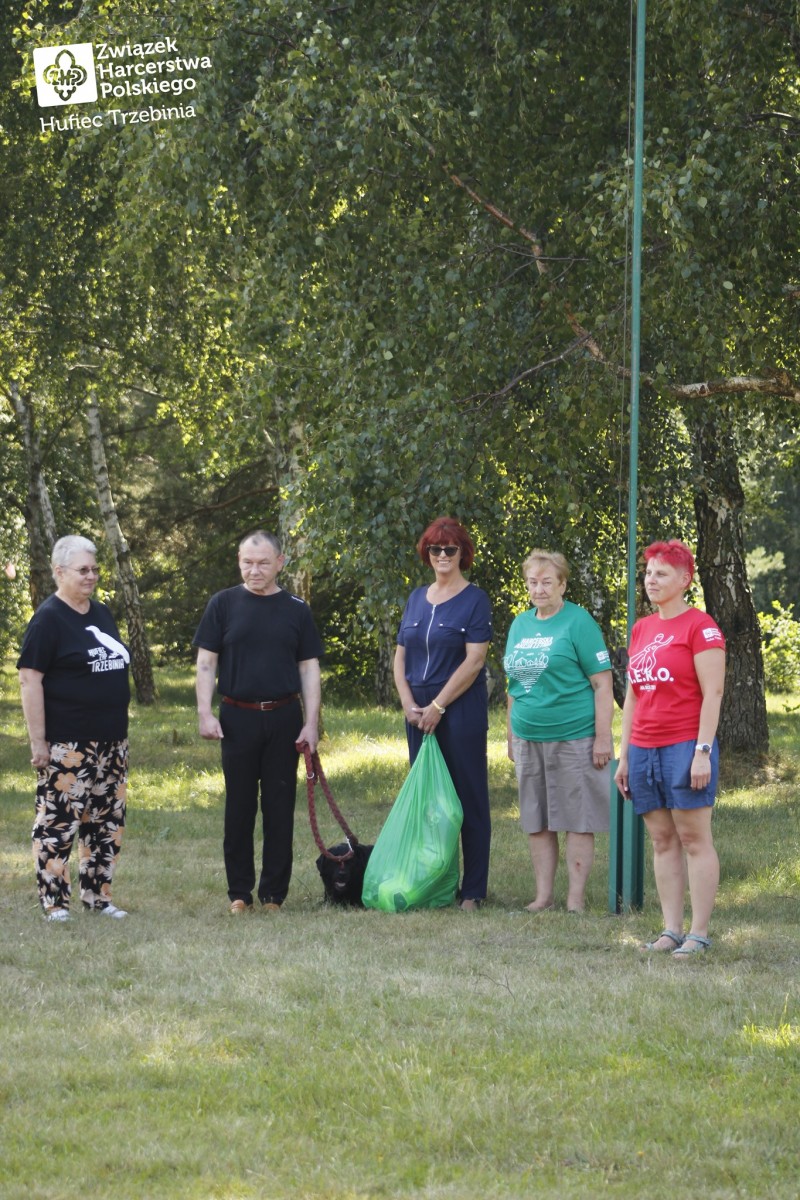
{"x":627,"y":830}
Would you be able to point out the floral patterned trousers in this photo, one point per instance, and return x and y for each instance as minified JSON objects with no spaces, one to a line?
{"x":82,"y":790}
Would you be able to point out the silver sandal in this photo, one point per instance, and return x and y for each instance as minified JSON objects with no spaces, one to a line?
{"x":677,"y":938}
{"x":698,"y":946}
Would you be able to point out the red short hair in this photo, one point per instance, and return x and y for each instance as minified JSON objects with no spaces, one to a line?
{"x":447,"y":531}
{"x":676,"y":553}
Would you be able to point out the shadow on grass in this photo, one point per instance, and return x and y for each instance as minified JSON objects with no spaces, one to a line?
{"x":740,"y":771}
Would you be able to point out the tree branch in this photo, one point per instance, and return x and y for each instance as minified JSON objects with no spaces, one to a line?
{"x":503,"y":218}
{"x":204,"y":509}
{"x":779,"y":384}
{"x":774,"y":383}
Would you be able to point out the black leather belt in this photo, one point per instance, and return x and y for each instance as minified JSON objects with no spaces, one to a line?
{"x":261,"y":705}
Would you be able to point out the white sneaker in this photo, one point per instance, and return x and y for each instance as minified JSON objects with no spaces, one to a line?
{"x":111,"y":910}
{"x":57,"y":914}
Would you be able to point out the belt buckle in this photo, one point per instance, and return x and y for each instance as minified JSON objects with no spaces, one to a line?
{"x":266,"y":705}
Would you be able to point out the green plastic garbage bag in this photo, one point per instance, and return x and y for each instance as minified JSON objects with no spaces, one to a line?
{"x":414,"y":863}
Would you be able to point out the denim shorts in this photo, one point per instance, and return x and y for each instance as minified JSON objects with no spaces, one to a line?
{"x":661,"y":778}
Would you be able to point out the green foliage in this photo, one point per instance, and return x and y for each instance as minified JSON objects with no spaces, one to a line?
{"x":772,"y":486}
{"x":767,"y":576}
{"x":14,"y":601}
{"x":781,"y":649}
{"x":295,"y":315}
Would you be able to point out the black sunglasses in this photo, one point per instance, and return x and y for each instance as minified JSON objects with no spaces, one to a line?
{"x":450,"y":551}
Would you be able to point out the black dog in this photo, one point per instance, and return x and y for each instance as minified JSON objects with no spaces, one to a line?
{"x":344,"y":881}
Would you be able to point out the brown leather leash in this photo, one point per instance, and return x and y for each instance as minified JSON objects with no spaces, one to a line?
{"x":314,"y":775}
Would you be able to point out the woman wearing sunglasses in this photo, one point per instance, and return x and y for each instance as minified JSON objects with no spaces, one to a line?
{"x":73,"y":671}
{"x":440,"y":677}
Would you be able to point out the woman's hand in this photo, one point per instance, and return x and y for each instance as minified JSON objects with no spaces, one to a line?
{"x":429,"y":718}
{"x":709,"y":667}
{"x":602,"y":752}
{"x":621,"y":774}
{"x":700,"y":774}
{"x":603,"y":748}
{"x":411,"y":710}
{"x":40,"y":753}
{"x":32,"y":690}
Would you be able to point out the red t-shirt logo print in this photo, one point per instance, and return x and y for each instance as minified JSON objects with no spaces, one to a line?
{"x":642,"y":666}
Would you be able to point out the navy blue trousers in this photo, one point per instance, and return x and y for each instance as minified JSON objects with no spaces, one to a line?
{"x":259,"y":757}
{"x":462,"y":737}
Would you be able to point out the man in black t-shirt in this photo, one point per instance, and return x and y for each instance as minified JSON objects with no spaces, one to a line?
{"x":260,"y":646}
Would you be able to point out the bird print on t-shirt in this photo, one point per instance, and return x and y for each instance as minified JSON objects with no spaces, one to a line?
{"x":105,"y":639}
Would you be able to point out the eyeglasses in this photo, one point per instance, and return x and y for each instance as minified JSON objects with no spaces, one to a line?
{"x":84,"y":571}
{"x":450,"y":551}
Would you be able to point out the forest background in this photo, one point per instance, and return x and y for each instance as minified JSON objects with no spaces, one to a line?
{"x":372,"y":266}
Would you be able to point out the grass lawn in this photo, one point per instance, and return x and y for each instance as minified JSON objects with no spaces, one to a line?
{"x":323,"y":1054}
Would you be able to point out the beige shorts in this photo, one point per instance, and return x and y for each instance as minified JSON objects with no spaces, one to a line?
{"x":559,"y":787}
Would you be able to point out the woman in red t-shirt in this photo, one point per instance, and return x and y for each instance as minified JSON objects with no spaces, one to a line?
{"x":669,"y":757}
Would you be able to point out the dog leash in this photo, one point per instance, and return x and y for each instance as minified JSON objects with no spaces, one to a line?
{"x":314,"y":773}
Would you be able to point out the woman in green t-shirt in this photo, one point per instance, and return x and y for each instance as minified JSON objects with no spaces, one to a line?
{"x":560,"y":707}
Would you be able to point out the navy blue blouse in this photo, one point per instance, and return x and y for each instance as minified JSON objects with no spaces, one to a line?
{"x":435,"y":635}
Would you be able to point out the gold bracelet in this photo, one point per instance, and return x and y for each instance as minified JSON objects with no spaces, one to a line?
{"x":441,"y":711}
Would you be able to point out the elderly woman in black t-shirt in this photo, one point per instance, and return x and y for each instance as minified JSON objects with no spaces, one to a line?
{"x":73,"y":671}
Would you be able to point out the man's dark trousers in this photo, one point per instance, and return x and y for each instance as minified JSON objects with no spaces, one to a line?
{"x":259,"y":753}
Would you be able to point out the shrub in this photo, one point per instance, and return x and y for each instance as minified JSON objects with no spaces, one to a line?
{"x":780,"y":634}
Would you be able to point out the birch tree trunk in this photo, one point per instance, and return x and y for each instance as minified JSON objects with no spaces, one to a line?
{"x":718,"y":503}
{"x":38,"y":511}
{"x":296,"y":577}
{"x":140,"y":650}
